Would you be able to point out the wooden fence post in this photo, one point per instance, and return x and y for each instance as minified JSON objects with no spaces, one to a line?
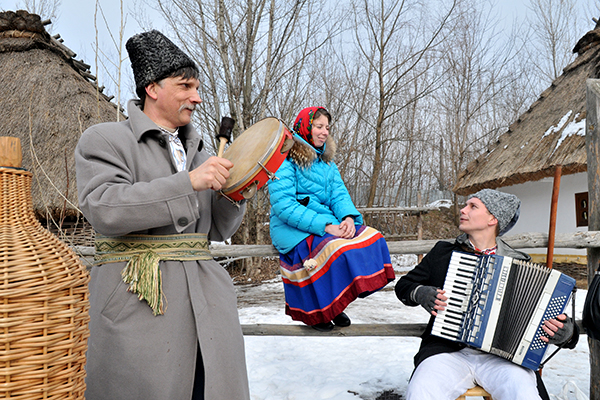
{"x":419,"y":224}
{"x":592,"y":141}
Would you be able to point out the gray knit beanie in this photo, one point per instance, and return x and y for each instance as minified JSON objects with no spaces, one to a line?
{"x":504,"y":206}
{"x":153,"y":57}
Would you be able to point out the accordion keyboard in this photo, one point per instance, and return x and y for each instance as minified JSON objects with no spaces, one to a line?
{"x":458,"y":286}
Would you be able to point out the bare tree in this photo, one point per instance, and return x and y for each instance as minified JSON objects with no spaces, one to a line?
{"x":342,"y":87}
{"x":554,"y":32}
{"x":393,"y":39}
{"x":476,"y":63}
{"x":111,"y":66}
{"x":253,"y":54}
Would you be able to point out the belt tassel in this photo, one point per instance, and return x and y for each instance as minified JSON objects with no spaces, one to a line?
{"x":144,"y":277}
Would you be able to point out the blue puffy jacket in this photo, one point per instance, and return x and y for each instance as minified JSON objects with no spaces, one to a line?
{"x":308,"y":195}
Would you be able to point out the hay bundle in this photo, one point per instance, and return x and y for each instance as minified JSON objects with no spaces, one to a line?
{"x":47,"y":101}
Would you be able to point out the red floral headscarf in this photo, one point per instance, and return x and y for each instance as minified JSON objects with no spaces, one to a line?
{"x":304,"y":122}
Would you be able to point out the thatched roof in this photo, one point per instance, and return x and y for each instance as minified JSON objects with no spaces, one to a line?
{"x":550,"y":133}
{"x":47,"y":99}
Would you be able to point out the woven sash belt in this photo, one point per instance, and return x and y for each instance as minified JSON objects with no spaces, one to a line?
{"x":143,"y":254}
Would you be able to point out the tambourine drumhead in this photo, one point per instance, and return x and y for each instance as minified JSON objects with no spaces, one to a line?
{"x":256,"y":144}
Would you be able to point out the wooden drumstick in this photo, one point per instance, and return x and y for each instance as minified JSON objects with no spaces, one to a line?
{"x":223,"y":142}
{"x":224,"y":134}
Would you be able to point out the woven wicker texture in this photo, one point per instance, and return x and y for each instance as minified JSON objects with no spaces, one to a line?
{"x":43,"y":302}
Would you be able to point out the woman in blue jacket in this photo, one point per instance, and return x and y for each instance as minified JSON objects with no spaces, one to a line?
{"x":327,"y":257}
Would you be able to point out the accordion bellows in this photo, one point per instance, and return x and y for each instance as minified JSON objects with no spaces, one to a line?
{"x":43,"y":302}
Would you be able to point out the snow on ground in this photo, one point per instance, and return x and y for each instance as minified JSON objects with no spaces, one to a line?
{"x":353,"y":368}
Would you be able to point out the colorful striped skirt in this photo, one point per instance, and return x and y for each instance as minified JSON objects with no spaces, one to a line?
{"x":323,"y":274}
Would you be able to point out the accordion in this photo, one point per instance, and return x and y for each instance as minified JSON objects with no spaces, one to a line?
{"x":498,"y":305}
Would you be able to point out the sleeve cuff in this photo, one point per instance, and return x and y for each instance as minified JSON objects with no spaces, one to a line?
{"x":413,"y":294}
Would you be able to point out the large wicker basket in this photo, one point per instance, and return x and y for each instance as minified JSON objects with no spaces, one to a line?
{"x":43,"y":302}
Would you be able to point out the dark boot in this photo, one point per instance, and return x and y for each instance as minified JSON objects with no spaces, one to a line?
{"x":342,"y":320}
{"x":323,"y":327}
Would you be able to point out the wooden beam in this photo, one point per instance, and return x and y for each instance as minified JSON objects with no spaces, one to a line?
{"x":413,"y":330}
{"x":420,"y":224}
{"x":592,"y":141}
{"x":553,"y":208}
{"x":572,"y":240}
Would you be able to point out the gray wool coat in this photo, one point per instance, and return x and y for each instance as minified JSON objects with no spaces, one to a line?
{"x":128,"y":183}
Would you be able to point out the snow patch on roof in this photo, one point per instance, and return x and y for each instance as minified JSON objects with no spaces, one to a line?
{"x":573,"y":128}
{"x":559,"y":126}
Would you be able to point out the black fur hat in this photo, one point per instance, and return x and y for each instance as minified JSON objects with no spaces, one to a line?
{"x":153,"y":57}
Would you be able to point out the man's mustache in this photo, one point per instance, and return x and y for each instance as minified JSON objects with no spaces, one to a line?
{"x":191,"y":107}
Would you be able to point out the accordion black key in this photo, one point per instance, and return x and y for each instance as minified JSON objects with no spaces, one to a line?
{"x":498,"y":304}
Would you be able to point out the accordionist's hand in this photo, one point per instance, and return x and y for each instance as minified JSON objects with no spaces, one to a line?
{"x":430,"y":298}
{"x":559,"y":330}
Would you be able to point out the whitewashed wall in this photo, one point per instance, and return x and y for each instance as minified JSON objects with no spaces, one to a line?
{"x":535,"y":207}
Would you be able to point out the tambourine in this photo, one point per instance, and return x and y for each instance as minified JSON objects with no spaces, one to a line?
{"x":256,"y":155}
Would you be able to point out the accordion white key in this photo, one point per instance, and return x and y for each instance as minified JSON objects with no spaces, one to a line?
{"x":498,"y":304}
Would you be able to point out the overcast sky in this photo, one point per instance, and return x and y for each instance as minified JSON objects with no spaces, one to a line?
{"x":75,"y":23}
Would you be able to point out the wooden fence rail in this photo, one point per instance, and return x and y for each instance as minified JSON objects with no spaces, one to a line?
{"x":577,"y":240}
{"x":396,"y":330}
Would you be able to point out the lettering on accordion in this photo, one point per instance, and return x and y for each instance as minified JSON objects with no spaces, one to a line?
{"x":498,"y":304}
